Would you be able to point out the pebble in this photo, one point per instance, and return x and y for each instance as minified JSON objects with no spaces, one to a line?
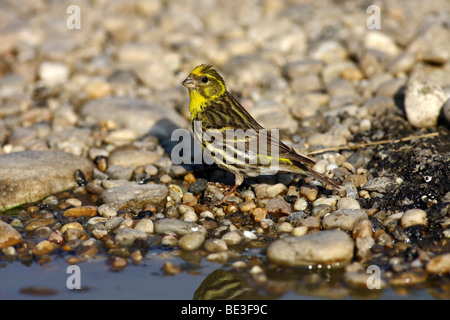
{"x":171,"y":269}
{"x":134,"y":195}
{"x":232,"y":238}
{"x":326,"y":248}
{"x":310,"y":222}
{"x":348,"y":203}
{"x":300,"y":204}
{"x":299,"y":231}
{"x":309,"y":192}
{"x":75,"y":234}
{"x":44,"y":247}
{"x":423,"y":102}
{"x":42,"y":233}
{"x":71,"y":225}
{"x":247,"y":206}
{"x":113,"y":223}
{"x":285,"y":227}
{"x":259,"y":214}
{"x":125,"y":237}
{"x":249,"y":235}
{"x":53,"y":73}
{"x":413,"y":217}
{"x":275,"y":190}
{"x":380,"y":184}
{"x":37,"y":223}
{"x":169,"y":239}
{"x":345,"y":219}
{"x":107,"y":211}
{"x":278,"y":206}
{"x":363,"y":229}
{"x":330,"y":201}
{"x":191,"y":241}
{"x":215,"y":245}
{"x":8,"y":235}
{"x":85,"y":211}
{"x":179,"y":227}
{"x":144,"y":225}
{"x":439,"y":264}
{"x":321,"y":210}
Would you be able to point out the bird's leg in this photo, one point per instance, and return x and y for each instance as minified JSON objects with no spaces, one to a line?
{"x":238,"y":181}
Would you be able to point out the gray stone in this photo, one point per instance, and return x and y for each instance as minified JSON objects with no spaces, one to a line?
{"x":135,"y":196}
{"x":135,"y":114}
{"x":125,"y":237}
{"x":345,"y":219}
{"x":179,"y":227}
{"x":29,"y":176}
{"x":191,"y":241}
{"x":380,"y":184}
{"x":332,"y":247}
{"x":423,"y":102}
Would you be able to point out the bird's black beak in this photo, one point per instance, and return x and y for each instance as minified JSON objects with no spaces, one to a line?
{"x":189,"y":83}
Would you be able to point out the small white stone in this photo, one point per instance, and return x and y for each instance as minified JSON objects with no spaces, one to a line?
{"x":249,"y":235}
{"x":285,"y":227}
{"x":300,"y":204}
{"x":145,"y":225}
{"x":414,"y":217}
{"x":299,"y":231}
{"x":53,"y":73}
{"x":107,"y":211}
{"x":423,"y":103}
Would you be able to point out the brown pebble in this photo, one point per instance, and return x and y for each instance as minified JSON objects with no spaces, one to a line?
{"x":118,"y":263}
{"x":75,"y":260}
{"x":32,"y":209}
{"x":171,"y":269}
{"x":35,"y":224}
{"x":56,"y":237}
{"x":8,"y":235}
{"x":232,"y":208}
{"x":363,"y":229}
{"x":247,"y":206}
{"x":189,"y":178}
{"x":309,"y":192}
{"x":310,"y":222}
{"x":44,"y":247}
{"x":102,"y":163}
{"x":75,"y":234}
{"x":86,"y":211}
{"x":71,"y":225}
{"x":259,"y":214}
{"x":439,"y":264}
{"x":136,"y":256}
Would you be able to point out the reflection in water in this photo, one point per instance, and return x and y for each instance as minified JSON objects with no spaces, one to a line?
{"x":227,"y":285}
{"x":240,"y":285}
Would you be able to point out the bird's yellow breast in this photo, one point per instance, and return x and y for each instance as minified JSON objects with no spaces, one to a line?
{"x":197,"y":103}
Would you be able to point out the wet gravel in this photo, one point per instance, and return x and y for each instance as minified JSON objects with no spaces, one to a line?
{"x":87,"y":166}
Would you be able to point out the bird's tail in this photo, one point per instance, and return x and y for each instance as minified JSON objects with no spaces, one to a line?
{"x":314,"y":174}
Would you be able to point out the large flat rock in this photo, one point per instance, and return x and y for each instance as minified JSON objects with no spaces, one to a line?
{"x":29,"y":176}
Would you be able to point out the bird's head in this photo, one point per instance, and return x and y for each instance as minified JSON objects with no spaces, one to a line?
{"x":206,"y":82}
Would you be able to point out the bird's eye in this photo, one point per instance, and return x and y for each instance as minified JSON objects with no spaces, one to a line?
{"x":205,"y":79}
